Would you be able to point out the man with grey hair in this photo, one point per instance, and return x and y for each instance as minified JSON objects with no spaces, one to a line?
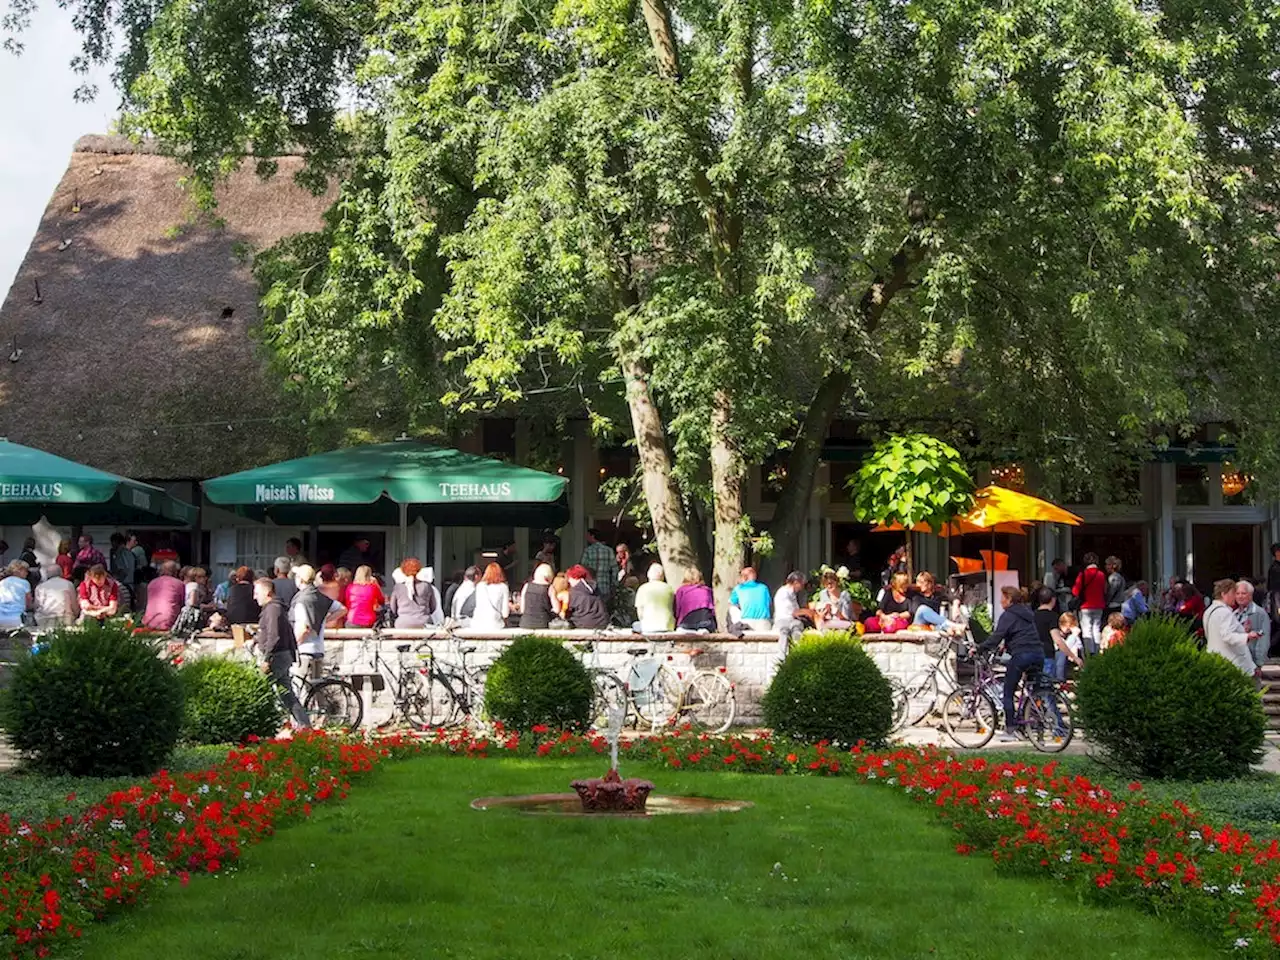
{"x":1255,"y":622}
{"x":655,"y":603}
{"x":786,"y":609}
{"x":285,"y":586}
{"x":56,"y":603}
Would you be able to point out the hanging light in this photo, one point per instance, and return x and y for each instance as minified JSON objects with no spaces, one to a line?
{"x":1233,"y":481}
{"x":1009,"y":475}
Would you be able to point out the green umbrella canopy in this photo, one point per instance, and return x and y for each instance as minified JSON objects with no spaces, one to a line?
{"x":367,"y":484}
{"x":35,"y":484}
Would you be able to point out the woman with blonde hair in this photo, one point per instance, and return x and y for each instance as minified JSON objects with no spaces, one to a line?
{"x":535,"y":600}
{"x":493,"y":600}
{"x":695,"y":603}
{"x":364,"y":597}
{"x":560,"y":596}
{"x":896,"y":598}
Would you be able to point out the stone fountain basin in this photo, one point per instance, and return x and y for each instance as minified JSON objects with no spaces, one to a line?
{"x":569,"y":805}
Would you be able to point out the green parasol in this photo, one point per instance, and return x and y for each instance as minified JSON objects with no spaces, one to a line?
{"x":35,"y":484}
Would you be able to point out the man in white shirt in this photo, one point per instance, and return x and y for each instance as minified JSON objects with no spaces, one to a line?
{"x":1224,"y":634}
{"x":308,"y":613}
{"x":786,"y":606}
{"x":57,"y":604}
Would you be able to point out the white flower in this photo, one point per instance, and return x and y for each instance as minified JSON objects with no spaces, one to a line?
{"x":1241,"y":943}
{"x":117,"y":824}
{"x":1195,"y":835}
{"x":204,"y":788}
{"x":179,"y":818}
{"x":843,"y":573}
{"x":1066,"y":857}
{"x":248,"y":794}
{"x":1236,"y":888}
{"x":1042,"y":794}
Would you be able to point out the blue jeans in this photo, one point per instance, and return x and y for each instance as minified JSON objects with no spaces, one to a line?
{"x":927,"y":616}
{"x":1028,"y":662}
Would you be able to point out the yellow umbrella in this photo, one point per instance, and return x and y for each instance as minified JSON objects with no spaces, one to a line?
{"x":995,"y":505}
{"x":956,"y":528}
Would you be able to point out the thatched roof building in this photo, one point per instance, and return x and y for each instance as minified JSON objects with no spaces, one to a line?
{"x":136,"y":351}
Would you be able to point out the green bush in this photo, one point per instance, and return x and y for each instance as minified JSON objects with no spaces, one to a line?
{"x":227,"y":701}
{"x":829,"y":689}
{"x":536,"y":680}
{"x":819,"y":637}
{"x":1163,"y":708}
{"x":97,"y":701}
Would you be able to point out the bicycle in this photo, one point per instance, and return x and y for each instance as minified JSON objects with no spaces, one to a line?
{"x":917,"y":697}
{"x":454,"y":691}
{"x":661,"y":695}
{"x":607,"y":688}
{"x":329,"y":702}
{"x":971,"y":712}
{"x":407,"y":682}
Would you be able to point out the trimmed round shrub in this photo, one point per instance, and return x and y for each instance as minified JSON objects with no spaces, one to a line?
{"x":537,"y":681}
{"x":96,"y":702}
{"x":829,"y":690}
{"x":227,"y":701}
{"x":1164,"y":708}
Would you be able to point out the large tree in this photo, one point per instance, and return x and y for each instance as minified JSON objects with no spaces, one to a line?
{"x":1048,"y":220}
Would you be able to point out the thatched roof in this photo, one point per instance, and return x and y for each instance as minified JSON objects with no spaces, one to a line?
{"x":141,"y":339}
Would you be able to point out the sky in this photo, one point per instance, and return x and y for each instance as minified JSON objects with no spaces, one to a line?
{"x":40,"y":123}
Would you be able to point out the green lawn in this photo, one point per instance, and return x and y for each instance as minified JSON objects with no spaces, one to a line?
{"x":405,"y":869}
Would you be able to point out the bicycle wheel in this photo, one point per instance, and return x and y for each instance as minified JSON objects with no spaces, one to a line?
{"x":658,"y":702}
{"x":920,"y":694}
{"x":441,"y":708}
{"x":607,"y":691}
{"x":898,"y":693}
{"x":1045,"y":719}
{"x":709,"y":702}
{"x":969,"y":717}
{"x":414,"y":702}
{"x":334,"y":704}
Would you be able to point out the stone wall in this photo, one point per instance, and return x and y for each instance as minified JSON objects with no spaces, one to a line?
{"x":749,"y":662}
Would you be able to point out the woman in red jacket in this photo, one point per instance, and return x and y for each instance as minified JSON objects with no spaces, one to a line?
{"x":1091,"y":590}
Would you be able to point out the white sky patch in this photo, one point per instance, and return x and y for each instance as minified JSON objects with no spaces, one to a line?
{"x":41,"y":122}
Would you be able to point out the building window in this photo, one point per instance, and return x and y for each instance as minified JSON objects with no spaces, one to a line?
{"x":498,"y":437}
{"x":838,"y":482}
{"x":1192,"y":484}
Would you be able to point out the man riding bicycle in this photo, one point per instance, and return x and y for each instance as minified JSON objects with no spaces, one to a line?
{"x":1017,"y":631}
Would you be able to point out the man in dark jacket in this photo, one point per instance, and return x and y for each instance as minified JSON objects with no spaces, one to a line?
{"x":279,"y":647}
{"x":1017,"y":631}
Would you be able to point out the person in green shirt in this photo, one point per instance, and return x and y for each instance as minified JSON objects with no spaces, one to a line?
{"x":655,"y":603}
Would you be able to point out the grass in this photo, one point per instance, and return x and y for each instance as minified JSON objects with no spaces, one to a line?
{"x":405,"y":869}
{"x":26,"y":794}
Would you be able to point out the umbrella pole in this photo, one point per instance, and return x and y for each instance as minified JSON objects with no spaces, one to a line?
{"x":404,"y":533}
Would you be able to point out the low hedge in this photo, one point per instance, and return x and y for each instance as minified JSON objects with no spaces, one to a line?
{"x":829,"y":689}
{"x":227,"y":701}
{"x":537,"y":681}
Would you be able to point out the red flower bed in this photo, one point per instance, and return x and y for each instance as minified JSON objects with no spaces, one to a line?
{"x":55,"y":877}
{"x":1030,"y":818}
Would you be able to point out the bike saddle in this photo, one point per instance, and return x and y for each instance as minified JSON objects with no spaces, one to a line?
{"x":465,"y":650}
{"x":402,"y":648}
{"x":637,"y":651}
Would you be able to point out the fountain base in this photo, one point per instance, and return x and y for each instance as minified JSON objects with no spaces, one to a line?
{"x":612,"y":794}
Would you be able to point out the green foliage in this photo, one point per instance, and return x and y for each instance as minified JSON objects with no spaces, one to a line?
{"x":816,"y":638}
{"x":982,"y":614}
{"x":227,"y":701}
{"x":829,"y":689}
{"x":911,"y":479}
{"x":859,"y":590}
{"x":1164,"y":708}
{"x":537,"y":681}
{"x":96,"y":701}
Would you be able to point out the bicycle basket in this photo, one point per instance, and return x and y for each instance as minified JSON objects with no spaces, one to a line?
{"x":640,"y":680}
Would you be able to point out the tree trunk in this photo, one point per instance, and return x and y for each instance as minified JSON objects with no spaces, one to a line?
{"x":727,"y":471}
{"x":666,"y":508}
{"x":802,"y":465}
{"x":802,"y":470}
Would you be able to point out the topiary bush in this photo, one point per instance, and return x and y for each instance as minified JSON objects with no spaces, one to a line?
{"x":96,"y":701}
{"x":1163,"y":708}
{"x":227,"y":701}
{"x":829,"y":689}
{"x":537,"y":681}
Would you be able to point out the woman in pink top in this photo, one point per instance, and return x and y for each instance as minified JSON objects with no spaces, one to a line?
{"x":364,"y":597}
